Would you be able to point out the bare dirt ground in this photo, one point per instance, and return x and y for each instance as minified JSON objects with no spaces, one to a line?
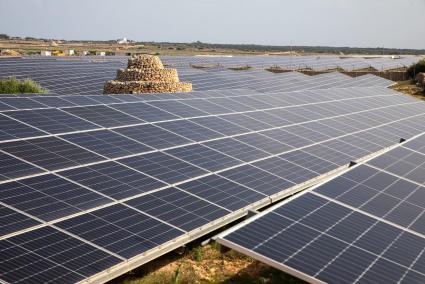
{"x":206,"y":264}
{"x":27,"y":47}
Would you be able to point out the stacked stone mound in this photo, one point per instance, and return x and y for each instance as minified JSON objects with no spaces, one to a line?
{"x":146,"y":74}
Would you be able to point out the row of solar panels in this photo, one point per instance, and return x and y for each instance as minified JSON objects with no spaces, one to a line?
{"x":90,"y":128}
{"x":364,"y":226}
{"x":79,"y":76}
{"x":112,"y":193}
{"x":317,"y":63}
{"x":250,"y":111}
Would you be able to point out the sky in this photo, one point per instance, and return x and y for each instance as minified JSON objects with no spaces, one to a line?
{"x":354,"y":23}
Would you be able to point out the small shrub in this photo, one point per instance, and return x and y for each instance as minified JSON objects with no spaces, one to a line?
{"x":11,"y":85}
{"x":197,"y":254}
{"x":416,"y":68}
{"x":240,"y":68}
{"x":198,"y":66}
{"x":176,"y":278}
{"x":276,"y":69}
{"x":215,"y":245}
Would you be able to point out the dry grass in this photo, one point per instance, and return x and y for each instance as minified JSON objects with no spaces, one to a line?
{"x":409,"y":88}
{"x":206,"y":264}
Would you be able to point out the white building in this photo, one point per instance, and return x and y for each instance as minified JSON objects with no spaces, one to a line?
{"x":101,"y":53}
{"x":46,"y":53}
{"x":70,"y":52}
{"x":123,"y":40}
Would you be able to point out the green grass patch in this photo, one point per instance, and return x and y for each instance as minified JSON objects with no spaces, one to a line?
{"x":11,"y":85}
{"x":197,"y":254}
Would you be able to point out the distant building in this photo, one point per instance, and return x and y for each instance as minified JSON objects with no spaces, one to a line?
{"x":70,"y":52}
{"x":123,"y":40}
{"x":101,"y":53}
{"x":84,"y":52}
{"x":46,"y":53}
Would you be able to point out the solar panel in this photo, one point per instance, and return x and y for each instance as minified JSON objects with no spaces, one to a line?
{"x":113,"y":179}
{"x":133,"y":232}
{"x":153,"y":136}
{"x":52,"y":101}
{"x":12,"y":167}
{"x":144,"y":111}
{"x":22,"y":103}
{"x":222,"y":192}
{"x":12,"y":221}
{"x":103,"y":116}
{"x":178,"y":208}
{"x":12,"y":129}
{"x":363,"y":226}
{"x":236,"y":149}
{"x":39,"y":255}
{"x":163,"y":167}
{"x":50,"y":153}
{"x":134,"y":176}
{"x":220,"y":125}
{"x":107,"y":143}
{"x":51,"y":120}
{"x":208,"y":106}
{"x":257,"y":179}
{"x":263,"y":142}
{"x":245,"y":121}
{"x":233,"y":105}
{"x":203,"y":157}
{"x":178,"y":108}
{"x":190,"y":130}
{"x":49,"y":197}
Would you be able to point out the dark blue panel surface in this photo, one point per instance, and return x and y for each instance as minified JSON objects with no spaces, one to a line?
{"x":113,"y":179}
{"x":103,"y":116}
{"x":223,"y":192}
{"x":49,"y":197}
{"x":50,"y":153}
{"x":178,"y":208}
{"x":11,"y":167}
{"x":40,"y":256}
{"x":52,"y":120}
{"x":107,"y":143}
{"x":153,"y":136}
{"x":121,"y":230}
{"x":204,"y":157}
{"x":164,"y":167}
{"x":12,"y":221}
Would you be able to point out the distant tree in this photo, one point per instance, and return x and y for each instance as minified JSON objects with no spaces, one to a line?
{"x":4,"y":36}
{"x":416,"y":68}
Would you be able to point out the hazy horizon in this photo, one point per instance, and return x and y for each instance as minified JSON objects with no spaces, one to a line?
{"x":338,"y":23}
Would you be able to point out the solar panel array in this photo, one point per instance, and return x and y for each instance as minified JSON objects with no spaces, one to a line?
{"x":316,"y":63}
{"x":86,"y":76}
{"x":364,"y":226}
{"x":93,"y":186}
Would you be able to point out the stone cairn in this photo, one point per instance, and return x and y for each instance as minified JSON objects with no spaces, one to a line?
{"x":146,"y":74}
